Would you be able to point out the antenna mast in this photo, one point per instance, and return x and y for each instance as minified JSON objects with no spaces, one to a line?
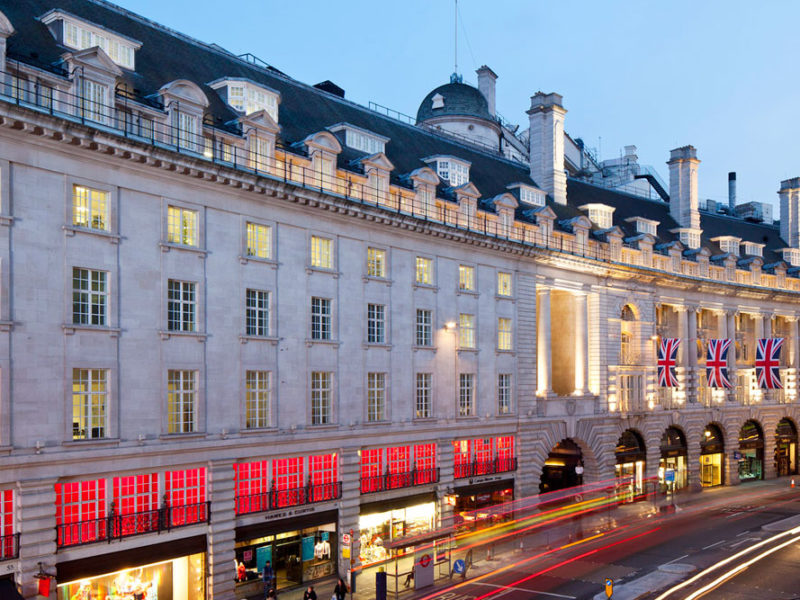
{"x":455,"y":29}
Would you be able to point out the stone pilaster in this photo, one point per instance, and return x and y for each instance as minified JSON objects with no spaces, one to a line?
{"x":543,"y":346}
{"x":730,"y":332}
{"x":36,"y":504}
{"x":691,"y":354}
{"x":526,"y":345}
{"x":581,"y":345}
{"x":350,"y":506}
{"x":222,"y":529}
{"x":446,"y":481}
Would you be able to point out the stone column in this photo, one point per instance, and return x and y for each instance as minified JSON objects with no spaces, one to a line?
{"x":350,"y":505}
{"x":447,"y":481}
{"x":683,"y":353}
{"x":693,"y":464}
{"x":222,"y":529}
{"x":543,"y":348}
{"x":36,"y":503}
{"x":581,"y":345}
{"x":691,"y":354}
{"x":730,"y":333}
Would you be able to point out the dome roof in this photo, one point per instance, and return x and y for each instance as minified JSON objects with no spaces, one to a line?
{"x":457,"y":99}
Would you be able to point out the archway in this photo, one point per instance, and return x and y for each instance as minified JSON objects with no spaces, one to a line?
{"x":751,"y":452}
{"x":712,"y":456}
{"x":673,"y":472}
{"x":563,"y":467}
{"x":630,"y":456}
{"x":786,"y":448}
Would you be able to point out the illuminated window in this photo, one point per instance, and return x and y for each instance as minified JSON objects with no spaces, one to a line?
{"x":504,"y":340}
{"x":466,"y":278}
{"x":531,"y":196}
{"x":181,"y":401}
{"x":484,"y":455}
{"x":81,"y":37}
{"x":504,"y":284}
{"x":504,"y":393}
{"x":423,"y":396}
{"x":425,"y":463}
{"x":7,"y":545}
{"x":259,"y":240}
{"x":321,"y":405}
{"x":426,"y":201}
{"x":94,"y":102}
{"x":320,"y":319}
{"x":376,"y":262}
{"x":287,"y":475}
{"x":261,"y":153}
{"x":257,"y":312}
{"x":376,"y":324}
{"x":249,"y":99}
{"x":181,"y":305}
{"x":321,"y":252}
{"x":466,"y":394}
{"x":185,"y":133}
{"x":324,"y":473}
{"x":453,"y":171}
{"x":89,"y":403}
{"x":181,"y":226}
{"x":89,"y":208}
{"x":89,"y":297}
{"x":462,"y":458}
{"x":424,"y":271}
{"x":257,"y":399}
{"x":185,"y":492}
{"x":252,"y":486}
{"x":424,"y":329}
{"x":136,"y":502}
{"x":466,"y":331}
{"x":371,"y":470}
{"x":376,"y":396}
{"x":80,"y":508}
{"x":398,"y":466}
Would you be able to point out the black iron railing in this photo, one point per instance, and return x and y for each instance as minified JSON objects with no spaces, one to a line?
{"x":276,"y":499}
{"x":391,"y":481}
{"x":488,"y":467}
{"x":9,"y":546}
{"x":116,"y":526}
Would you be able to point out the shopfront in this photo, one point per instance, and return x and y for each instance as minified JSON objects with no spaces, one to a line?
{"x":673,"y":463}
{"x":470,"y":502}
{"x":751,"y":452}
{"x":630,"y":455}
{"x":384,"y":522}
{"x":169,"y":571}
{"x":300,"y":547}
{"x":786,"y":448}
{"x":563,"y":467}
{"x":712,"y":457}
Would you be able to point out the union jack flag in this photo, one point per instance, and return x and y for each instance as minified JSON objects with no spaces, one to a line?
{"x":667,"y":361}
{"x":768,"y":362}
{"x":717,"y":364}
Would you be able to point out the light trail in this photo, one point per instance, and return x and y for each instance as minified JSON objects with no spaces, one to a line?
{"x":726,"y":561}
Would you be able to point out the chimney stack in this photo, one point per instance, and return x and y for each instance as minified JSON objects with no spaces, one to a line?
{"x":789,"y":195}
{"x":732,"y":193}
{"x":683,"y":195}
{"x":546,"y":137}
{"x":486,"y":85}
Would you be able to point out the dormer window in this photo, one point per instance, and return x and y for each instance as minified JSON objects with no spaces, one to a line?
{"x":792,"y":256}
{"x":599,"y":214}
{"x":248,"y":97}
{"x":437,"y":101}
{"x":79,"y":34}
{"x":642,"y":225}
{"x":361,"y":139}
{"x":453,"y":170}
{"x":690,"y":238}
{"x":753,"y":249}
{"x":729,"y":244}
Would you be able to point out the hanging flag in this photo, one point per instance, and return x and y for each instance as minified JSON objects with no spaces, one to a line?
{"x":667,"y":361}
{"x":717,"y":364}
{"x":768,"y":362}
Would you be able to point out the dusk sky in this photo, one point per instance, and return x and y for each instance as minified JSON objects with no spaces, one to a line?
{"x":720,"y":75}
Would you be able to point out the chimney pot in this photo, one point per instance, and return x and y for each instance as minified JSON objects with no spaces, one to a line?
{"x":486,"y":85}
{"x":546,"y":144}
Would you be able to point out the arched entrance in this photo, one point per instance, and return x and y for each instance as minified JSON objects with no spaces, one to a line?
{"x":563,"y":467}
{"x":712,"y":457}
{"x":786,"y":448}
{"x":674,"y":453}
{"x":630,"y":454}
{"x":751,"y":452}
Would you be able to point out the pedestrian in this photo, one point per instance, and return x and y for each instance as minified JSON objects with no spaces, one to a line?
{"x":271,"y":595}
{"x":268,"y":575}
{"x":340,"y":591}
{"x":310,"y":594}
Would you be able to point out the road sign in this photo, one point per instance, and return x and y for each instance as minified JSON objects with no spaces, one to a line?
{"x":609,"y":588}
{"x":459,"y":566}
{"x":345,"y":538}
{"x":737,"y":455}
{"x":669,"y":475}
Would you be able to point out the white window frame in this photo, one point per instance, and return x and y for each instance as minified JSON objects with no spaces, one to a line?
{"x":466,"y":395}
{"x":184,"y":305}
{"x":423,"y":331}
{"x":89,"y":297}
{"x":321,"y":252}
{"x":257,"y":312}
{"x":182,"y":226}
{"x":181,"y":401}
{"x":258,"y":240}
{"x":505,"y":339}
{"x":466,"y":331}
{"x":466,"y":278}
{"x":321,"y":329}
{"x":376,"y":397}
{"x":321,"y":397}
{"x":423,"y":396}
{"x":505,"y":405}
{"x":376,"y":323}
{"x":424,"y":271}
{"x":258,"y":399}
{"x":90,"y":404}
{"x":505,"y":284}
{"x":376,"y":263}
{"x":94,"y":105}
{"x":90,"y":208}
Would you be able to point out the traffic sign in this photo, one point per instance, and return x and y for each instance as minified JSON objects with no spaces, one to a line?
{"x":609,"y":588}
{"x":459,"y":566}
{"x":345,"y":538}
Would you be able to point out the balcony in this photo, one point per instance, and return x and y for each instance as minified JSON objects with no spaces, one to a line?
{"x":275,"y":499}
{"x":116,"y":526}
{"x":490,"y":467}
{"x":393,"y":481}
{"x":9,"y":546}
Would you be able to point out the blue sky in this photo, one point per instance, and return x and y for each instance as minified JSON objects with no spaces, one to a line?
{"x":718,"y":74}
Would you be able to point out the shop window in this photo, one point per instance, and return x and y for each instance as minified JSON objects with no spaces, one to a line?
{"x":371,"y":470}
{"x":81,"y":511}
{"x":398,"y":463}
{"x":323,"y":474}
{"x":186,"y":495}
{"x":7,"y":543}
{"x":484,"y":454}
{"x":287,"y":482}
{"x":462,"y":449}
{"x":136,"y":504}
{"x":252,"y":486}
{"x":505,"y":453}
{"x":425,"y":464}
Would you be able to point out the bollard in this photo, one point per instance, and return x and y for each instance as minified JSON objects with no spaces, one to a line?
{"x":792,"y":482}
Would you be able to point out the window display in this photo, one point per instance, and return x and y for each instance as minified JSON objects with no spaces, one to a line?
{"x":378,"y":529}
{"x":178,"y":579}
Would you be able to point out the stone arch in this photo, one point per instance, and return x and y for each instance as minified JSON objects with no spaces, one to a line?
{"x":785,"y":450}
{"x":712,"y":455}
{"x":751,"y":451}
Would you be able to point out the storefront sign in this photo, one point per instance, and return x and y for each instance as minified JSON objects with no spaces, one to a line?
{"x":290,"y":513}
{"x":485,"y":479}
{"x":669,"y":475}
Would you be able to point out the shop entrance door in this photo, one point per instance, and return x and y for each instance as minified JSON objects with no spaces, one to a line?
{"x":287,"y":561}
{"x":786,"y":448}
{"x":712,"y":448}
{"x":751,"y":448}
{"x":561,"y":467}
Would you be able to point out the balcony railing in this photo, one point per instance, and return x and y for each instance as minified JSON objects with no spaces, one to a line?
{"x":392,"y":481}
{"x":9,"y":546}
{"x":275,"y":499}
{"x":116,"y":526}
{"x":489,"y":467}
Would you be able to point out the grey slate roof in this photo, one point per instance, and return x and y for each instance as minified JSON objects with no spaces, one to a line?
{"x":459,"y":99}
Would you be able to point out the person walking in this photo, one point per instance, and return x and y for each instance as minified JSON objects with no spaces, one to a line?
{"x":271,"y":595}
{"x":310,"y":594}
{"x":340,"y":591}
{"x":268,"y":575}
